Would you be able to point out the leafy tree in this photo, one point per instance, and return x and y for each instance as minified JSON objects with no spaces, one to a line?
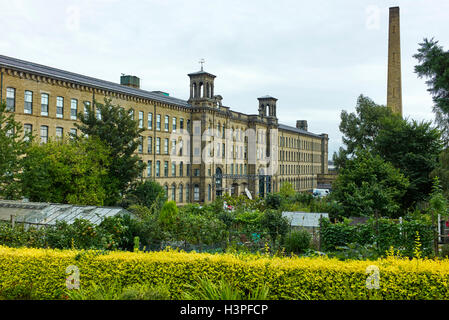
{"x":248,"y":221}
{"x":442,"y":171}
{"x":113,"y":230}
{"x":148,"y":193}
{"x":273,"y":201}
{"x":199,"y":229}
{"x":360,"y":129}
{"x":13,"y":145}
{"x":438,"y":205}
{"x":298,"y":241}
{"x":410,"y":146}
{"x":69,"y":171}
{"x":369,"y":186}
{"x":168,"y":213}
{"x":119,"y":132}
{"x":413,"y":148}
{"x":276,"y":225}
{"x":434,"y":65}
{"x":287,"y":190}
{"x":146,"y":227}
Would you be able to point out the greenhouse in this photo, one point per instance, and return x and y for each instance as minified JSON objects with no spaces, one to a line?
{"x":37,"y":213}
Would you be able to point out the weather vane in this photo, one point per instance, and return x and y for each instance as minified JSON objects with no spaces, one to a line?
{"x":202,"y":61}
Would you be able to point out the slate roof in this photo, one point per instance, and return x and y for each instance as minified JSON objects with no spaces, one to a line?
{"x":202,"y":72}
{"x":293,"y":129}
{"x":88,"y":81}
{"x":108,"y":85}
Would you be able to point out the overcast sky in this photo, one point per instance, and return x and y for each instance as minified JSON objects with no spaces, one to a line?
{"x":316,"y":57}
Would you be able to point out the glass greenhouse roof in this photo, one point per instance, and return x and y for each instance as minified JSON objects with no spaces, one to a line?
{"x":48,"y":214}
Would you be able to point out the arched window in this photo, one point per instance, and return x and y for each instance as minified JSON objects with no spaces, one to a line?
{"x":166,"y":190}
{"x":194,"y":93}
{"x":181,"y":191}
{"x":187,"y":193}
{"x":201,"y":90}
{"x":196,"y":193}
{"x":173,"y":192}
{"x":209,"y":192}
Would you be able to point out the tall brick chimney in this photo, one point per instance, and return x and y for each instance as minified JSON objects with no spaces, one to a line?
{"x":394,"y":92}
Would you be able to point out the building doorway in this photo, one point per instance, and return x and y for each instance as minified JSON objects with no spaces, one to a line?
{"x":218,"y":182}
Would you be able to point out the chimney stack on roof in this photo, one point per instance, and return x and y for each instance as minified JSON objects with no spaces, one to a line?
{"x":302,"y":124}
{"x":130,"y":81}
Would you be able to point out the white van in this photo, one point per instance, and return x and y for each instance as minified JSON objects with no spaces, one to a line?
{"x":320,"y":192}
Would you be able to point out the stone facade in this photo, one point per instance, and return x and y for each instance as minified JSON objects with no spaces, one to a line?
{"x":197,"y":149}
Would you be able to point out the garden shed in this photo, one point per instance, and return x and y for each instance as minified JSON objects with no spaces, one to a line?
{"x":308,"y":220}
{"x":38,"y":213}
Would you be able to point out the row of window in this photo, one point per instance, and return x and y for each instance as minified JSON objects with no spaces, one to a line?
{"x":236,"y":152}
{"x":298,"y":156}
{"x":300,"y":183}
{"x":298,"y":143}
{"x":28,"y":128}
{"x":178,"y":195}
{"x":141,"y":119}
{"x":297,"y":169}
{"x":45,"y":98}
{"x":235,"y":169}
{"x":44,"y":104}
{"x":284,"y":141}
{"x":238,"y":134}
{"x":174,"y":144}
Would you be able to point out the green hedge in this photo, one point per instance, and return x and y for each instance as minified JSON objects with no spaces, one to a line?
{"x":383,"y":234}
{"x":40,"y":274}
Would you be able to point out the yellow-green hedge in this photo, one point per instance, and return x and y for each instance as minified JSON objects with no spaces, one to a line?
{"x":294,"y":278}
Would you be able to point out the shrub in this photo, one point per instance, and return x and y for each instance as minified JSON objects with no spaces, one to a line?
{"x":115,"y":291}
{"x":273,"y":201}
{"x":207,"y":290}
{"x":148,"y":194}
{"x":383,"y":233}
{"x":355,"y":251}
{"x":298,"y":241}
{"x":95,"y":292}
{"x":145,"y":292}
{"x":168,"y":213}
{"x":18,"y":236}
{"x":445,"y":250}
{"x":276,"y":225}
{"x":43,"y":270}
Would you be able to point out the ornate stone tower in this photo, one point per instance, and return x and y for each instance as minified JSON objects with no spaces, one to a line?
{"x":202,"y":89}
{"x":267,"y":106}
{"x":394,"y":91}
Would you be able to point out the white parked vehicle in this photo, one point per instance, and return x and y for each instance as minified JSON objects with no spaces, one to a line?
{"x":320,"y":192}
